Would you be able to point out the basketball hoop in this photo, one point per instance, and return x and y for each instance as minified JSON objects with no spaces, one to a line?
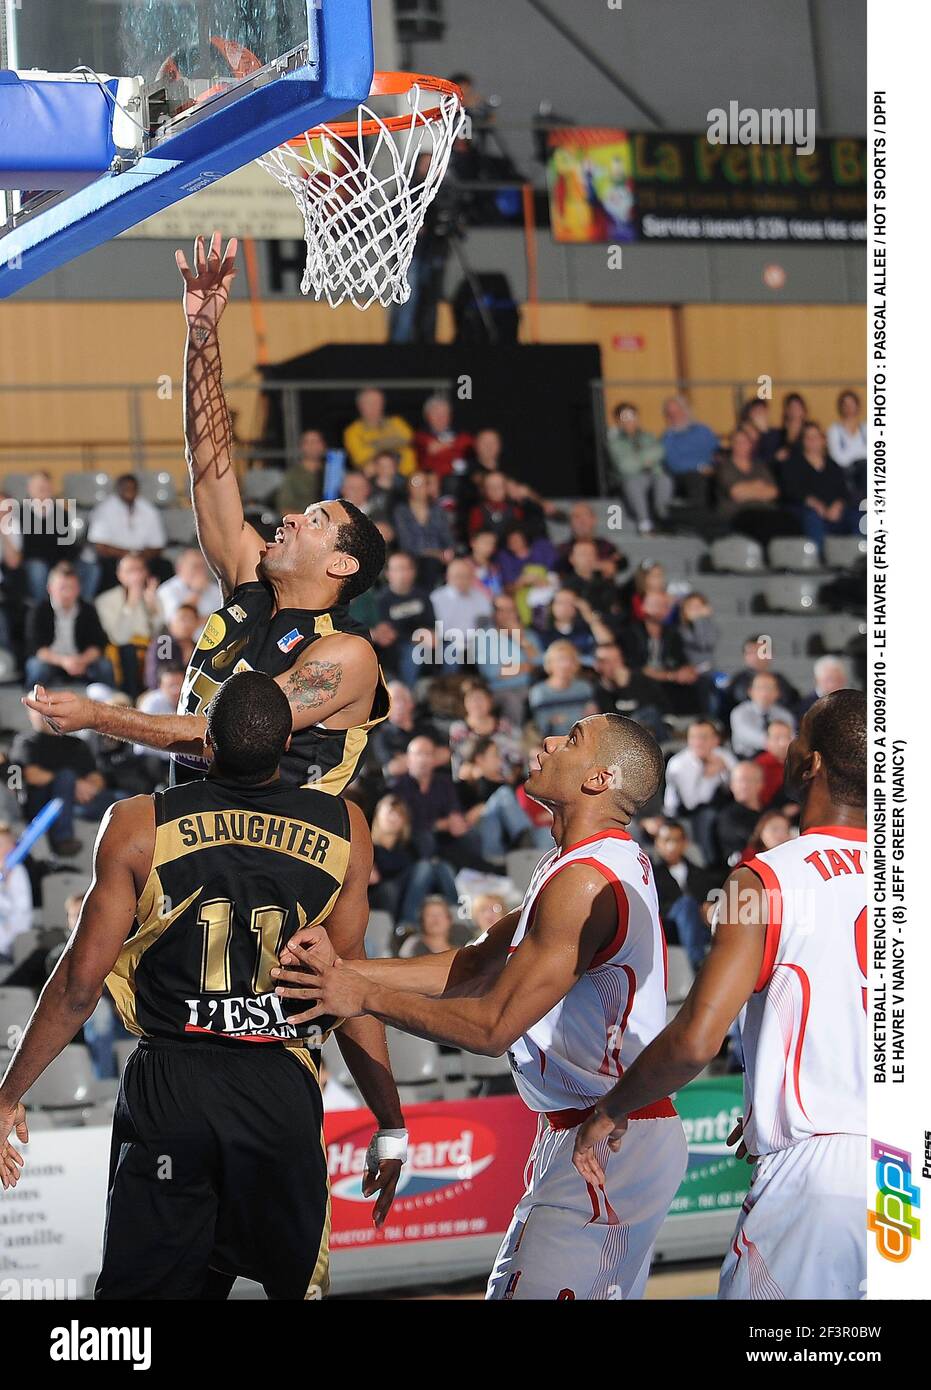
{"x":363,"y":187}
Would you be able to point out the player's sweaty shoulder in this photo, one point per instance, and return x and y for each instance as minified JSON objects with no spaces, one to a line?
{"x":579,"y":901}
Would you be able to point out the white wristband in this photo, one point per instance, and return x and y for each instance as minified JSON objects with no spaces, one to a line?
{"x":386,"y":1144}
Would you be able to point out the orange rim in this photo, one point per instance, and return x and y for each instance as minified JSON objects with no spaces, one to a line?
{"x":387,"y":84}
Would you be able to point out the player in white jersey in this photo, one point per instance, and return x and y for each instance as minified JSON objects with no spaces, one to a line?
{"x":571,"y":985}
{"x":789,"y":957}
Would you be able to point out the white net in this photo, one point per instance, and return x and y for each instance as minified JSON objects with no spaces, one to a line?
{"x":364,"y":196}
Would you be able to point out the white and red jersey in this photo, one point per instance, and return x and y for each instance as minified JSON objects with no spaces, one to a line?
{"x":576,"y":1052}
{"x":803,"y":1029}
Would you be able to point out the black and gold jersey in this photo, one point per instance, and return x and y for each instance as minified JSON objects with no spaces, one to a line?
{"x":247,"y":634}
{"x":235,"y":872}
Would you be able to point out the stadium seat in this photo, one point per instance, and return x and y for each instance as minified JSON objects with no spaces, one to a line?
{"x":519,"y":866}
{"x":15,"y":484}
{"x":24,"y":943}
{"x":87,"y":489}
{"x":840,"y":552}
{"x":737,"y":555}
{"x":792,"y":593}
{"x":158,"y":487}
{"x":16,"y":1006}
{"x":260,"y":484}
{"x":836,"y":632}
{"x":124,"y":1050}
{"x":179,"y":525}
{"x":379,"y":935}
{"x":681,"y":975}
{"x":794,"y":553}
{"x":56,"y":889}
{"x":333,"y":1061}
{"x":414,"y":1063}
{"x":66,"y":1083}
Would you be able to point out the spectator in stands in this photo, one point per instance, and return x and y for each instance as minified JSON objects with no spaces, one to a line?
{"x":563,"y":620}
{"x":636,"y":468}
{"x":373,"y":431}
{"x":751,"y":719}
{"x":357,"y":489}
{"x":390,"y":739}
{"x":163,"y":699}
{"x":131,"y":616}
{"x":511,"y":656}
{"x":483,"y":720}
{"x":748,"y":498}
{"x":736,"y":819}
{"x":125,"y":524}
{"x":393,"y":859}
{"x":60,"y":766}
{"x":772,"y":829}
{"x":830,"y":674}
{"x":697,"y":779}
{"x":772,"y":759}
{"x":302,"y":484}
{"x":654,"y":647}
{"x":192,"y":584}
{"x":758,"y":656}
{"x":405,"y":620}
{"x":491,"y":805}
{"x":586,"y":580}
{"x":495,"y":511}
{"x":175,"y":643}
{"x":441,"y":449}
{"x":689,"y":449}
{"x":583,"y":524}
{"x":47,"y":536}
{"x":522,"y":560}
{"x":423,"y":528}
{"x":619,"y":690}
{"x":428,"y":792}
{"x":699,"y":631}
{"x":11,"y":559}
{"x":778,"y":445}
{"x":754,"y":417}
{"x":682,"y":889}
{"x":462,"y":604}
{"x":15,"y":896}
{"x":648,"y":578}
{"x":388,"y":489}
{"x":814,"y":485}
{"x":847,"y":443}
{"x":484,"y":549}
{"x":565,"y":696}
{"x":486,"y":910}
{"x":435,"y":933}
{"x":64,"y":635}
{"x":487,"y":448}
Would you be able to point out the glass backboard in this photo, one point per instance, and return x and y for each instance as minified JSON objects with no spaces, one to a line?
{"x":187,"y":50}
{"x":223,"y":82}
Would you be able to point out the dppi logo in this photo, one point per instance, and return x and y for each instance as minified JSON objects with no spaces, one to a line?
{"x":892,"y":1221}
{"x":442,"y":1153}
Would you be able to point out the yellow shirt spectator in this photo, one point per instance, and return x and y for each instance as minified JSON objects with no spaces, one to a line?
{"x":374,"y":431}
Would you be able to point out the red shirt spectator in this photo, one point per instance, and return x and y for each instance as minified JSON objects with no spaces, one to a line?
{"x":438,"y":445}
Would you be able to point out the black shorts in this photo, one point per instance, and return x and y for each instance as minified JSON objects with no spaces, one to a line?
{"x":217,"y":1168}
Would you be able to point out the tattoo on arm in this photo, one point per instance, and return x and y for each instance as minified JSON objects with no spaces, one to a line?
{"x":208,"y":428}
{"x":313,"y":684}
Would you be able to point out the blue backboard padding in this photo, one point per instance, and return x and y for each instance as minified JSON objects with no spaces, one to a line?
{"x":54,"y":135}
{"x":222,"y":141}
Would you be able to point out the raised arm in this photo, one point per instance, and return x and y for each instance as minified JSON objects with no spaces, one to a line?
{"x":231,"y":546}
{"x":574,"y":919}
{"x":74,"y":987}
{"x":696,"y":1034}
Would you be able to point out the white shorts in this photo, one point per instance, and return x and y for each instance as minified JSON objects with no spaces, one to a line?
{"x":802,"y":1230}
{"x":571,"y":1240}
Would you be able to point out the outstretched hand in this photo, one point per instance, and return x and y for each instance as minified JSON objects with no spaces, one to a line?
{"x":207,"y":287}
{"x":12,"y":1120}
{"x":63,"y":711}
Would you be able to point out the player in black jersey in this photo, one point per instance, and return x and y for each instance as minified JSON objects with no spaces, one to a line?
{"x":217,"y":1165}
{"x":285,"y":604}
